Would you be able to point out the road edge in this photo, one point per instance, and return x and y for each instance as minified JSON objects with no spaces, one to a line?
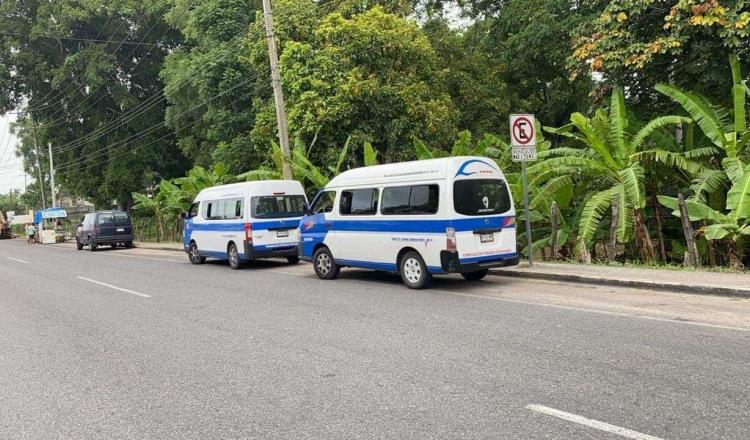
{"x":665,"y":287}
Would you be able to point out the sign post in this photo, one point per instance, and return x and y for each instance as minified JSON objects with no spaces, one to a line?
{"x":523,"y":143}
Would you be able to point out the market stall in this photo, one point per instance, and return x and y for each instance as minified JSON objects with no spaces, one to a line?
{"x":48,"y":220}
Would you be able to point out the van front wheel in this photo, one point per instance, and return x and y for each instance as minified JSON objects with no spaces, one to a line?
{"x":475,"y":276}
{"x":234,"y":257}
{"x":413,"y":271}
{"x":194,"y":254}
{"x":324,"y":264}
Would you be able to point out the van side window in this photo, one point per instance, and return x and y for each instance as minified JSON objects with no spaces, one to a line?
{"x":227,"y":209}
{"x":193,"y":210}
{"x":323,"y":202}
{"x":208,"y":209}
{"x":410,"y":200}
{"x":359,"y":202}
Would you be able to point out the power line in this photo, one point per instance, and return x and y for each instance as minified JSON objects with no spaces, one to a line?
{"x":92,"y":40}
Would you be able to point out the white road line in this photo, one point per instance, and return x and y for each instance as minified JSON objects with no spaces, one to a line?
{"x":114,"y":287}
{"x":20,"y":261}
{"x":601,"y":426}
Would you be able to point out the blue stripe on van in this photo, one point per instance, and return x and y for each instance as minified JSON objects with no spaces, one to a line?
{"x":240,"y":226}
{"x":388,"y":267}
{"x":423,"y":226}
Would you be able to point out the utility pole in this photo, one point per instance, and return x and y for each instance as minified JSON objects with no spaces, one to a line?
{"x":38,"y":165}
{"x":278,"y":93}
{"x":52,"y":175}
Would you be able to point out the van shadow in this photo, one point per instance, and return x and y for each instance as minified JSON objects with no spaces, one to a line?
{"x":439,"y":282}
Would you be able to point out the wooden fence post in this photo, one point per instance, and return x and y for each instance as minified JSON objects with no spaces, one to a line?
{"x":553,"y":238}
{"x":687,"y":228}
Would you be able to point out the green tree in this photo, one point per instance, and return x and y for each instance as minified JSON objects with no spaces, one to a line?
{"x":612,"y":160}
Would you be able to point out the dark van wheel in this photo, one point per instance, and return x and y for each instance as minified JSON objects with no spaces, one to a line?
{"x":292,"y":260}
{"x":233,"y":255}
{"x":128,"y":244}
{"x":324,"y":264}
{"x":92,"y":245}
{"x":194,"y":255}
{"x":79,"y":245}
{"x":475,"y":276}
{"x":413,"y":271}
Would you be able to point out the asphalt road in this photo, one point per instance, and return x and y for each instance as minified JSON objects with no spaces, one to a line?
{"x":142,"y":345}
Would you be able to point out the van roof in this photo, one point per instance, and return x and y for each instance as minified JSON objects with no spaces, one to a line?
{"x":257,"y":186}
{"x":418,"y":170}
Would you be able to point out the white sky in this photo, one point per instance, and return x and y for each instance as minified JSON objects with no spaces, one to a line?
{"x":11,"y":170}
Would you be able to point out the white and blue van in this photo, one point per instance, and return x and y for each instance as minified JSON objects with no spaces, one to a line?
{"x":245,"y":221}
{"x":450,"y":215}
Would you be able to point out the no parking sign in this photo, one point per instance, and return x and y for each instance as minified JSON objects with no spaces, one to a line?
{"x":523,"y":137}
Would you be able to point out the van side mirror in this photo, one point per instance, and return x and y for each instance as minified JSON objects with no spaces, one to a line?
{"x":183,"y":215}
{"x":306,"y":208}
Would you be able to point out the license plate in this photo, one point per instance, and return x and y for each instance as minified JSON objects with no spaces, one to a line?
{"x":120,"y":229}
{"x":284,"y":233}
{"x":487,"y":238}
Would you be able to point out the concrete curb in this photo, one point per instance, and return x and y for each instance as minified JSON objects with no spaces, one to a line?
{"x":667,"y":287}
{"x":137,"y":245}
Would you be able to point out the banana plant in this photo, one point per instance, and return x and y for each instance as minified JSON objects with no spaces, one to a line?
{"x":199,"y":178}
{"x":610,"y":154}
{"x":731,"y":226}
{"x":726,"y":130}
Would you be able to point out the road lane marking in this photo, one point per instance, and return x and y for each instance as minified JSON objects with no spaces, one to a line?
{"x":20,"y":261}
{"x":114,"y":287}
{"x":601,"y":426}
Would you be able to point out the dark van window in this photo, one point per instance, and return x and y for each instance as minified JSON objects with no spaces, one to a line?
{"x":410,"y":200}
{"x":323,"y":202}
{"x":480,"y":197}
{"x":104,"y":219}
{"x":193,"y":210}
{"x":278,"y":206}
{"x":122,"y":219}
{"x":359,"y":202}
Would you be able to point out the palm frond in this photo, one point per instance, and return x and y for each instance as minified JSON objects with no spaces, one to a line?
{"x":700,"y":110}
{"x":708,"y":182}
{"x":738,"y":197}
{"x":421,"y":150}
{"x":652,"y":126}
{"x":546,"y":193}
{"x":700,"y":153}
{"x":592,"y":214}
{"x":633,"y":181}
{"x":668,"y":158}
{"x":618,"y":121}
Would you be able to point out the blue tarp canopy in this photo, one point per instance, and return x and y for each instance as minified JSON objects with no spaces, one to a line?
{"x":49,"y":213}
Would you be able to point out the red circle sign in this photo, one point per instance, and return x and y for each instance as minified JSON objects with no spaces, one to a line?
{"x":520,"y":133}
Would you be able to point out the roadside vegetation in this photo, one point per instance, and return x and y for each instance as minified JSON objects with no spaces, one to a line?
{"x":638,"y":102}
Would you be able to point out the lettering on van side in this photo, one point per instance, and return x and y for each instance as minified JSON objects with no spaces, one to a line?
{"x":487,"y":252}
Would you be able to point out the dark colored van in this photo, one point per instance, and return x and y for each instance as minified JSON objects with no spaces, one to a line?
{"x":105,"y":227}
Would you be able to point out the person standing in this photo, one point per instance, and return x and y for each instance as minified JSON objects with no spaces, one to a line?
{"x":30,"y":233}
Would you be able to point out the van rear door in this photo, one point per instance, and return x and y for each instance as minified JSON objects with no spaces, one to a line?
{"x":488,"y":231}
{"x":275,"y":223}
{"x":123,"y":226}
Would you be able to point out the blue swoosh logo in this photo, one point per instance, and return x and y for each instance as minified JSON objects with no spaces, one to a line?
{"x":461,"y":171}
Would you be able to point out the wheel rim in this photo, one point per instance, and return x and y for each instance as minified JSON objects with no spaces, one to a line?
{"x":233,"y":259}
{"x":194,"y":252}
{"x":324,"y":263}
{"x":412,"y":270}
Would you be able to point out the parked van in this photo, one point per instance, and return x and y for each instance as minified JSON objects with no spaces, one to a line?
{"x":104,"y":228}
{"x":451,"y":215}
{"x":245,"y":221}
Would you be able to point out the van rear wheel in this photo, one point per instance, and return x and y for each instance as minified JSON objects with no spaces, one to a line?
{"x":413,"y":271}
{"x":475,"y":276}
{"x":324,"y":264}
{"x":92,"y":245}
{"x":234,"y":257}
{"x":292,"y":260}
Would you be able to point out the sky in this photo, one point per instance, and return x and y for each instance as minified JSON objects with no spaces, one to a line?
{"x":11,"y":170}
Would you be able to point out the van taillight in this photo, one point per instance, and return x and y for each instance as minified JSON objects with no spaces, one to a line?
{"x":450,"y":239}
{"x":249,"y":231}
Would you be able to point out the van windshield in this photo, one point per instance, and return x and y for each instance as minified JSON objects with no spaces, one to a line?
{"x":278,"y":206}
{"x":481,"y":197}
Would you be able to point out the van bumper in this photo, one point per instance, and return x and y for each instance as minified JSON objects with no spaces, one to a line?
{"x":251,"y":253}
{"x":451,"y":264}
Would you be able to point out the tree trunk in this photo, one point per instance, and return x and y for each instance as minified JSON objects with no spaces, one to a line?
{"x":553,"y":235}
{"x":710,"y":249}
{"x":659,"y":233}
{"x":735,"y":262}
{"x":643,"y":239}
{"x":687,"y":229}
{"x":585,"y":255}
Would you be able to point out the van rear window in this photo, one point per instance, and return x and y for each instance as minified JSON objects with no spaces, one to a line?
{"x":122,"y":219}
{"x":278,"y":206}
{"x":481,"y":197}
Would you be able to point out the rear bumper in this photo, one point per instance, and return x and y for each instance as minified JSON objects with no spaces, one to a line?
{"x":251,"y":252}
{"x":113,"y":239}
{"x":450,"y":262}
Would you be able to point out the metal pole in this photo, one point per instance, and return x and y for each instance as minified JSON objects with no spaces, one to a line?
{"x":526,"y":206}
{"x":38,"y":165}
{"x":278,"y":93}
{"x":52,"y":175}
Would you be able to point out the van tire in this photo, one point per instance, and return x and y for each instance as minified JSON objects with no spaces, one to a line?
{"x":79,"y":245}
{"x":128,"y":244}
{"x":92,"y":245}
{"x":233,"y":255}
{"x":193,"y":255}
{"x":292,"y":260}
{"x":476,"y":275}
{"x":324,"y":265}
{"x":413,"y":271}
